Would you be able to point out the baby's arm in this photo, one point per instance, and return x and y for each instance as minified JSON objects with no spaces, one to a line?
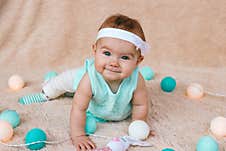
{"x":140,"y":101}
{"x":81,"y":100}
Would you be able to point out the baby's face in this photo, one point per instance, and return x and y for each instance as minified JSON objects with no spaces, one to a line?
{"x":115,"y":59}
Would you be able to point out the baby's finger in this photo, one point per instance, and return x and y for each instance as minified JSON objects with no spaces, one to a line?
{"x":88,"y":147}
{"x":92,"y":144}
{"x":82,"y":147}
{"x":78,"y":148}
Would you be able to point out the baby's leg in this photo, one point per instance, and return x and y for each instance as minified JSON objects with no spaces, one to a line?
{"x":52,"y":88}
{"x":60,"y":84}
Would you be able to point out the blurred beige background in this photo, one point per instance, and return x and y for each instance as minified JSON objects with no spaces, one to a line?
{"x":187,"y":39}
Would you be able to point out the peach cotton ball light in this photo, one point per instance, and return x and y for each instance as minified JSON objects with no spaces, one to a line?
{"x":16,"y":82}
{"x":218,"y":126}
{"x":195,"y":91}
{"x":6,"y":131}
{"x":139,"y":129}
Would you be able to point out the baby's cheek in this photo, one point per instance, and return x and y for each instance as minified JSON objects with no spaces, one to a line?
{"x":99,"y":68}
{"x":128,"y":72}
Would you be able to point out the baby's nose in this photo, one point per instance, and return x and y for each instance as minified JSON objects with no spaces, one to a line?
{"x":114,"y":62}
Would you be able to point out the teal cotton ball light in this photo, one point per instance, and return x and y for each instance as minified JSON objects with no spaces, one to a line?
{"x":168,"y":149}
{"x":147,"y":73}
{"x":207,"y":143}
{"x":10,"y":116}
{"x":91,"y":125}
{"x":35,"y":135}
{"x":168,"y":84}
{"x":49,"y":75}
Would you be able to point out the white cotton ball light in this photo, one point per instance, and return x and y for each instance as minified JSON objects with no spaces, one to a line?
{"x":218,"y":126}
{"x":139,"y":129}
{"x":15,"y":82}
{"x":195,"y":91}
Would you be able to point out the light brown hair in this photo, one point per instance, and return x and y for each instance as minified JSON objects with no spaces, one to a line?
{"x":124,"y":22}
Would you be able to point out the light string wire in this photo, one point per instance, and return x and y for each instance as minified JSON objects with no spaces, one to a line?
{"x":51,"y":142}
{"x":214,"y":94}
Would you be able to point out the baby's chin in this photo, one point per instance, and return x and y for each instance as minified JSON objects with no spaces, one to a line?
{"x":108,"y":78}
{"x":111,"y":77}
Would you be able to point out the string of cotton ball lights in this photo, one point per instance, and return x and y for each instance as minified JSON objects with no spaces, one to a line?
{"x":36,"y":138}
{"x":217,"y":125}
{"x":65,"y":81}
{"x":168,"y":84}
{"x":116,"y":143}
{"x":45,"y":141}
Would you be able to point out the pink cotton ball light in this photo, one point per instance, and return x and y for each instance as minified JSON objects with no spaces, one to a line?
{"x":15,"y":82}
{"x":218,"y":126}
{"x":6,"y":131}
{"x":195,"y":91}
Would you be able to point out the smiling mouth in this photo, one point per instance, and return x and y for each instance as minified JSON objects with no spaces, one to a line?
{"x":113,"y":70}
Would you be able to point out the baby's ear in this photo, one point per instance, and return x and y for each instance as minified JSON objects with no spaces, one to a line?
{"x":140,"y":59}
{"x":94,"y":48}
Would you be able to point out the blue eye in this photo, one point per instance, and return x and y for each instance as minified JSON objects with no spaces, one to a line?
{"x":125,"y":57}
{"x":107,"y":53}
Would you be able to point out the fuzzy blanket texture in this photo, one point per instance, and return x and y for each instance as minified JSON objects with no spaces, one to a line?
{"x":188,"y":42}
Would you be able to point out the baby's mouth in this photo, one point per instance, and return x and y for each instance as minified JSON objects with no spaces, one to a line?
{"x":116,"y":70}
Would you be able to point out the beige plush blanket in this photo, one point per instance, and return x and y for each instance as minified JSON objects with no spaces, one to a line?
{"x":187,"y":40}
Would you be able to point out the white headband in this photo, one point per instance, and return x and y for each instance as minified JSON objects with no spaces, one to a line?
{"x":124,"y":35}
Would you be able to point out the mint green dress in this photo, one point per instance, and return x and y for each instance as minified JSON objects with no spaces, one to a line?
{"x":105,"y":104}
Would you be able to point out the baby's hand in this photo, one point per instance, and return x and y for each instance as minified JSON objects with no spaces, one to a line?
{"x":83,"y":143}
